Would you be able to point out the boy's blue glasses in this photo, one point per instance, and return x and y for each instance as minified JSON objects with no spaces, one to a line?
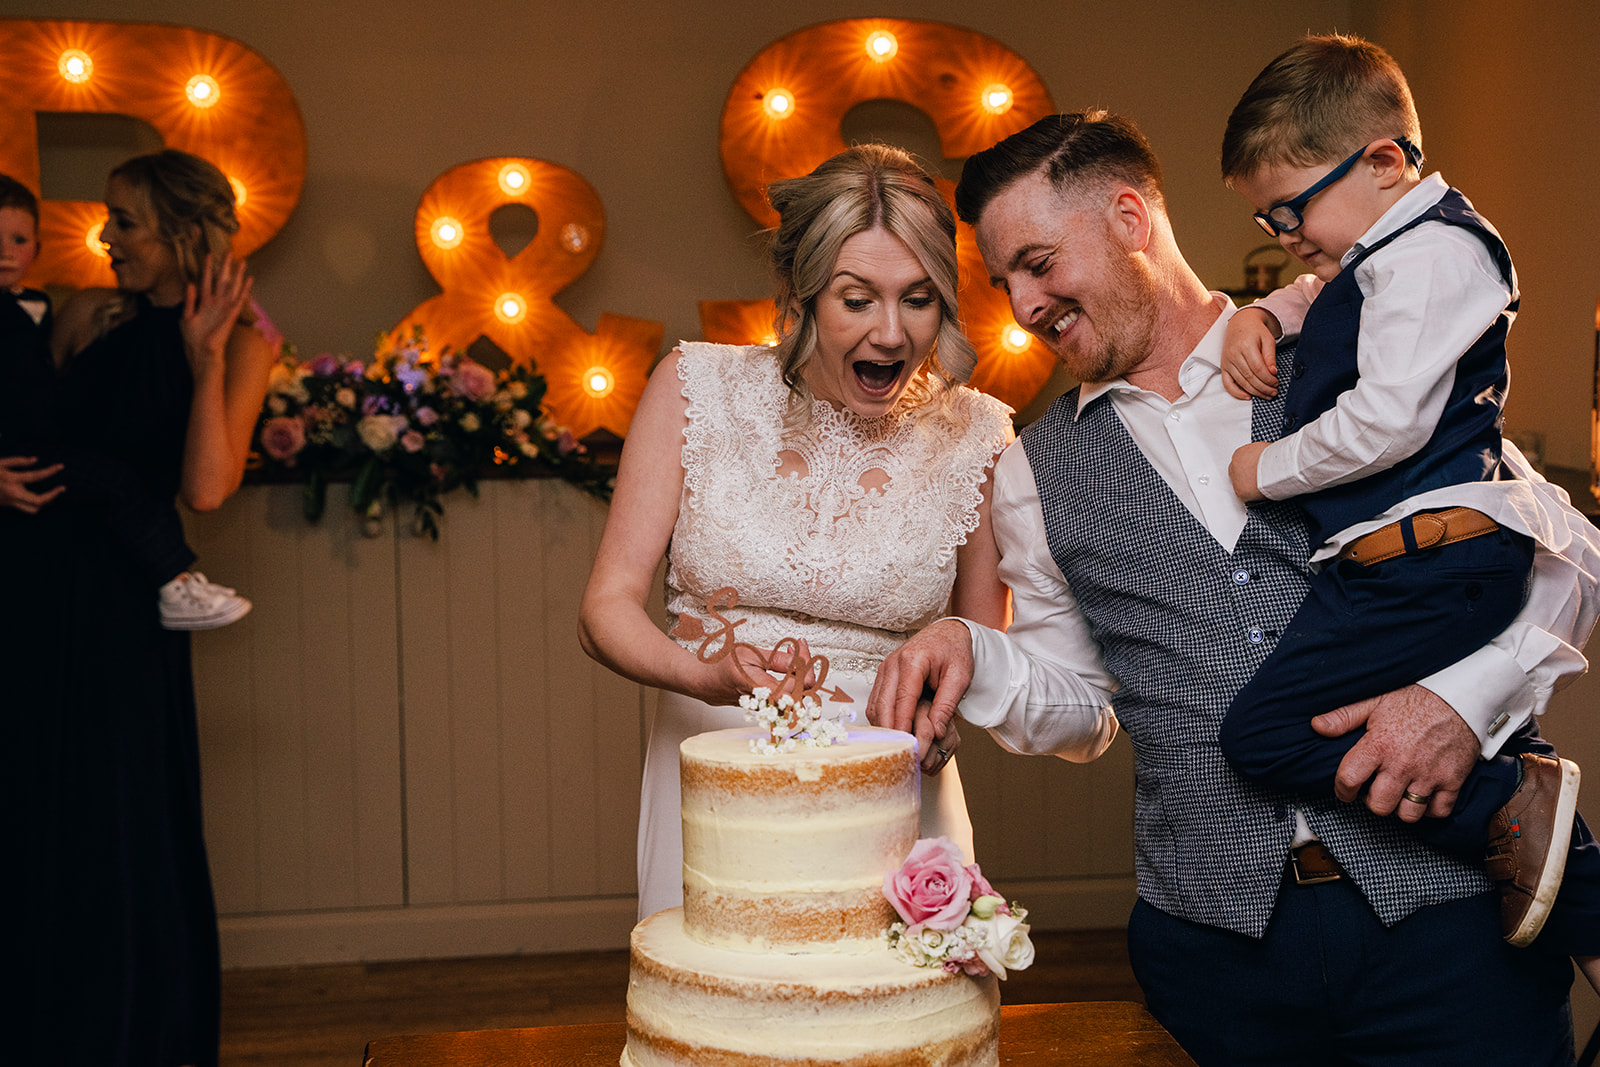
{"x":1286,"y":217}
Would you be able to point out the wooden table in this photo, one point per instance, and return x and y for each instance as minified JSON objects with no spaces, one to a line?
{"x":1110,"y":1033}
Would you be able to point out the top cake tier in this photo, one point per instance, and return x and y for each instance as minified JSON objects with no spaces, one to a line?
{"x":787,"y":853}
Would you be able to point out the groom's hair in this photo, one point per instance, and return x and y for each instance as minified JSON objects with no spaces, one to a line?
{"x":1075,"y":151}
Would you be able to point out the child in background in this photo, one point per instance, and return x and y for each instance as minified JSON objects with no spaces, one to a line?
{"x":152,"y":533}
{"x":1392,"y":447}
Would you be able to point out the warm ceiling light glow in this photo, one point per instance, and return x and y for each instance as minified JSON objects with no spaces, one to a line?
{"x":240,"y":194}
{"x":92,"y":239}
{"x":1014,"y":339}
{"x":597,"y":382}
{"x":778,"y":103}
{"x":75,"y":66}
{"x":514,"y":179}
{"x":446,"y":232}
{"x":510,"y":308}
{"x":996,"y":99}
{"x":202,"y":90}
{"x":881,"y":45}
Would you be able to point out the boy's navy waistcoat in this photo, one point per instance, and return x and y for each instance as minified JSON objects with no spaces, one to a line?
{"x":1465,"y":446}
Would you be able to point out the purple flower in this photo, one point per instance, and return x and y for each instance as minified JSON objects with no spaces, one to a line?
{"x":325,"y":366}
{"x":282,"y":438}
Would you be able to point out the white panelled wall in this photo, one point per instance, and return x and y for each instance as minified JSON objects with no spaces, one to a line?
{"x":406,"y":754}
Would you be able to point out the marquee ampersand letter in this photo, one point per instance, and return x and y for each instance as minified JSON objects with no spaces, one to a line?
{"x":594,"y":380}
{"x":783,"y":116}
{"x":203,"y":93}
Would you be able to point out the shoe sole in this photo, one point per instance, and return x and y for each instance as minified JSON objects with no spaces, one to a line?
{"x":1555,"y":860}
{"x":211,"y":622}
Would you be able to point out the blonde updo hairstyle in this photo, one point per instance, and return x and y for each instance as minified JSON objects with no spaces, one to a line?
{"x":192,"y":203}
{"x":860,"y":188}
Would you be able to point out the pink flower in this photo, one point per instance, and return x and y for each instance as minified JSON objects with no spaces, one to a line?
{"x":932,"y":888}
{"x":566,"y":444}
{"x":982,"y":888}
{"x":427,"y":416}
{"x":473,"y":380}
{"x":282,"y":438}
{"x":325,"y":366}
{"x":411,"y":441}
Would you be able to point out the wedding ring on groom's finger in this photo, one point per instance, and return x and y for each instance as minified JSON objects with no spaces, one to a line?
{"x":944,"y":757}
{"x":1416,"y":799}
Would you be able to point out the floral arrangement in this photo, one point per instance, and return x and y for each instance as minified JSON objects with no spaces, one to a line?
{"x":952,"y":916}
{"x":792,"y":724}
{"x":410,"y":425}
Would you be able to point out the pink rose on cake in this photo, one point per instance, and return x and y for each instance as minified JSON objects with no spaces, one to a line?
{"x":953,"y":918}
{"x":932,"y":887}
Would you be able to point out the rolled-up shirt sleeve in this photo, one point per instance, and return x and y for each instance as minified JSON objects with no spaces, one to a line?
{"x":1042,"y":686}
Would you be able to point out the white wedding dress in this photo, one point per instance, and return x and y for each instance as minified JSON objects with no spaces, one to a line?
{"x":842,"y":533}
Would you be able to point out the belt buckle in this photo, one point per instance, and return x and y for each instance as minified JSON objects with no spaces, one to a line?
{"x":1301,"y":878}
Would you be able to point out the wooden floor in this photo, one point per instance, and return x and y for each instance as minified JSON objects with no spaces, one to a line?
{"x":324,"y":1016}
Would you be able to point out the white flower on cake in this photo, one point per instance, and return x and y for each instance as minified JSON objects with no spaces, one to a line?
{"x":795,"y":718}
{"x":952,"y":916}
{"x":791,"y":724}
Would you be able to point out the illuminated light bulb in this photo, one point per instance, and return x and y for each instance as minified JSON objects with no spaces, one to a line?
{"x":1015,"y":339}
{"x":240,"y":194}
{"x":92,"y":239}
{"x":996,"y":99}
{"x":574,"y":237}
{"x":510,"y":308}
{"x":446,"y":232}
{"x":881,"y":45}
{"x":597,"y":382}
{"x":75,"y":66}
{"x":514,"y":179}
{"x":202,"y":90}
{"x":778,"y":103}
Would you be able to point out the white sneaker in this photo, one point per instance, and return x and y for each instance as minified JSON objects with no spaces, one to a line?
{"x":189,"y":602}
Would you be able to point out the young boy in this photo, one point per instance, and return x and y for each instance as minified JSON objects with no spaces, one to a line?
{"x":151,"y":532}
{"x":1392,"y":446}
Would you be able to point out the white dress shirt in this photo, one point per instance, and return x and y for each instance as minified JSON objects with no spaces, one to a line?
{"x":1427,"y":296}
{"x":1042,"y":687}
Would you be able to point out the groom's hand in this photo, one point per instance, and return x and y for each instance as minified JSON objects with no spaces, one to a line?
{"x":1414,"y":743}
{"x":938,"y":659}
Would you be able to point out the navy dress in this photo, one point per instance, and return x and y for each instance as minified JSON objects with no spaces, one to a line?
{"x":115,"y":923}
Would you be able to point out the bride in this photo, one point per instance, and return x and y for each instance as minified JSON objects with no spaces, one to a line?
{"x":838,"y":481}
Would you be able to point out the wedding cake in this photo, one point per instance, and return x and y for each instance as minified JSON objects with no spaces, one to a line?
{"x":780,"y":954}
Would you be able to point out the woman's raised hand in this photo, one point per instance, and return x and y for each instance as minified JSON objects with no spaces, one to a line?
{"x":211,"y":307}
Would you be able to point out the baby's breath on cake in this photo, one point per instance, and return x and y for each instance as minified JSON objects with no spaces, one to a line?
{"x":792,"y":725}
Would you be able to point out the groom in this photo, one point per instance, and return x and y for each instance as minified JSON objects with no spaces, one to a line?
{"x":1136,"y":570}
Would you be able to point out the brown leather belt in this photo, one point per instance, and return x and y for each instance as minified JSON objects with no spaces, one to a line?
{"x":1312,"y":864}
{"x":1429,"y":529}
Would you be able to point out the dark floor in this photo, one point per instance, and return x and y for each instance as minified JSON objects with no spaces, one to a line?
{"x":324,"y":1016}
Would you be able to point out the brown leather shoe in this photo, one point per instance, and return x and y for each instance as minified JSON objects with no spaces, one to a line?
{"x":1528,"y":843}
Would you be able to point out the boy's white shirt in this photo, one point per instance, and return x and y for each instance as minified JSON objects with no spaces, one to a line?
{"x":1428,"y":295}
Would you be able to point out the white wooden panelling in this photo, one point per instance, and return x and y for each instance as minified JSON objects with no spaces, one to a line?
{"x":406,"y":753}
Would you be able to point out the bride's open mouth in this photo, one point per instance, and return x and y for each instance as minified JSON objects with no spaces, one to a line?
{"x":877,"y":377}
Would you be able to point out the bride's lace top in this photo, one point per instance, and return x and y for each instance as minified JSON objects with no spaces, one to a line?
{"x":842,"y":532}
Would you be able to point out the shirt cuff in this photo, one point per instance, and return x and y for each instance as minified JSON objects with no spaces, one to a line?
{"x":1491,"y":692}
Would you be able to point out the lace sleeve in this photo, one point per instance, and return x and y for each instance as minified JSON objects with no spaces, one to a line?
{"x":978,"y":428}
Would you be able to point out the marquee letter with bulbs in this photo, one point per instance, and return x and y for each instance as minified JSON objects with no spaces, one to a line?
{"x":593,"y":380}
{"x":783,"y":116}
{"x":203,"y":93}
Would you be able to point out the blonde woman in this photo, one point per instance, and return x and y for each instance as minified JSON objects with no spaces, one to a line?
{"x":838,"y":481}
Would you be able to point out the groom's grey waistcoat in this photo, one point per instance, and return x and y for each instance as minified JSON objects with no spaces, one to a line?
{"x":1183,"y":624}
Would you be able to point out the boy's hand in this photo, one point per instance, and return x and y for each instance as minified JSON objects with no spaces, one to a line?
{"x":17,"y":475}
{"x":1250,"y":354}
{"x":1242,"y":471}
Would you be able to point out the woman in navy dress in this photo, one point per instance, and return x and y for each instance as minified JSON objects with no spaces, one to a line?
{"x":115,"y":922}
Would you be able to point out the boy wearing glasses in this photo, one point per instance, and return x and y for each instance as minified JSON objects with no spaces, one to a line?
{"x":1392,"y":446}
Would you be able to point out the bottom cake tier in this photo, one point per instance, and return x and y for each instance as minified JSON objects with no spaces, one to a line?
{"x":690,"y":1003}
